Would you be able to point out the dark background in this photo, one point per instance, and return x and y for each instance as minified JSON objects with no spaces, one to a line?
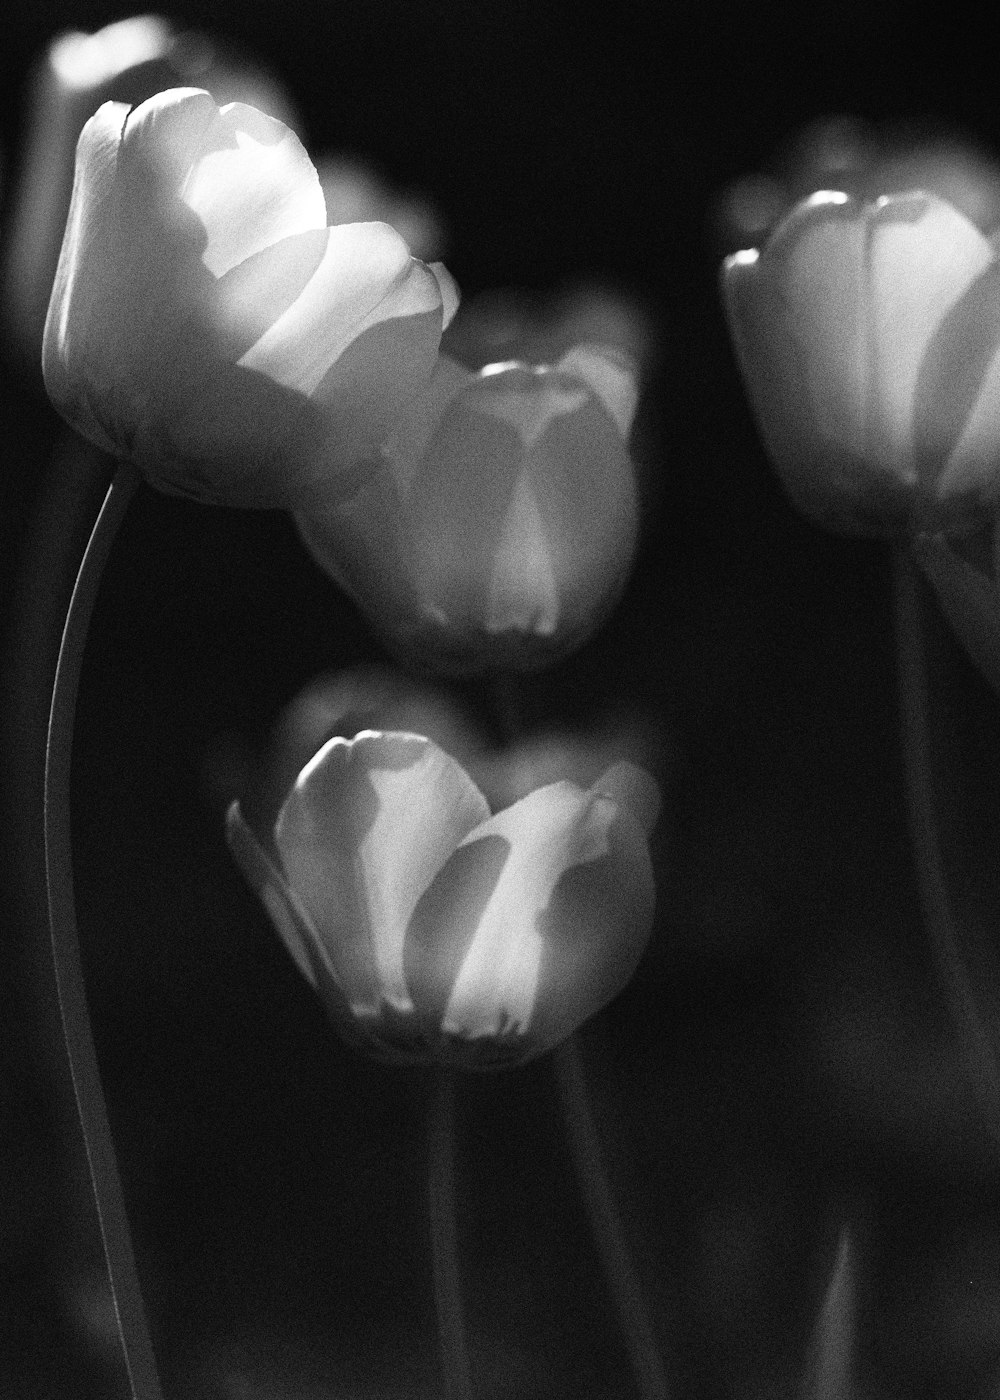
{"x":781,"y":1066}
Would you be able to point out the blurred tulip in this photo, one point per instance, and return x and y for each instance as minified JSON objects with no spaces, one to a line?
{"x":869,"y":339}
{"x":511,"y":324}
{"x":208,"y":326}
{"x":127,"y":61}
{"x":866,"y":161}
{"x":355,"y":192}
{"x":499,"y":525}
{"x":434,"y":931}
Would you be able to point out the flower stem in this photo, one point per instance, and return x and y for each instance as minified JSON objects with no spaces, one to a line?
{"x":444,"y":1240}
{"x":133,"y":1331}
{"x":974,"y":1040}
{"x":609,"y":1233}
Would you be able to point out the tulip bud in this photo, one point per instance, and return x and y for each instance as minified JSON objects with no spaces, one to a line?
{"x":868,"y":336}
{"x":499,"y":526}
{"x":434,"y":931}
{"x":205,"y":322}
{"x":127,"y":61}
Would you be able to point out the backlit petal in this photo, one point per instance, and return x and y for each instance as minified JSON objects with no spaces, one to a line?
{"x":362,"y":336}
{"x":368,"y":824}
{"x":922,"y":255}
{"x":245,"y":176}
{"x":567,"y":916}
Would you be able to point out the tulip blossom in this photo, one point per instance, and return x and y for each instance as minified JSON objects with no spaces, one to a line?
{"x":869,"y":339}
{"x":206,"y":323}
{"x":498,"y":526}
{"x":435,"y":931}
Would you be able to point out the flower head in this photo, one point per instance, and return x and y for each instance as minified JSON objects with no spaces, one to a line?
{"x":433,"y":930}
{"x":869,"y":338}
{"x":209,"y":326}
{"x":498,"y":525}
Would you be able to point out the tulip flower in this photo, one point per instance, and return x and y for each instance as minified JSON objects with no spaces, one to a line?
{"x":869,"y":339}
{"x":497,"y":527}
{"x":207,"y":325}
{"x":126,"y":61}
{"x":434,"y":931}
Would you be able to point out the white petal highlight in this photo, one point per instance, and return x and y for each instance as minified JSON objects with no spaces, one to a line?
{"x":922,"y":256}
{"x":498,"y":985}
{"x":368,"y":824}
{"x":251,"y":185}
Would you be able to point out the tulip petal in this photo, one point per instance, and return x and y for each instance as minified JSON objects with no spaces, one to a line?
{"x":73,"y":306}
{"x":807,"y":383}
{"x":293,"y":926}
{"x":814,"y":262}
{"x":404,"y":450}
{"x":306,"y":948}
{"x":450,"y":294}
{"x":523,"y":592}
{"x":367,"y":826}
{"x":922,"y":255}
{"x":610,"y":375}
{"x":361,"y":544}
{"x":958,"y":397}
{"x":567,"y":917}
{"x":245,"y":176}
{"x":362,"y":336}
{"x":583,"y":480}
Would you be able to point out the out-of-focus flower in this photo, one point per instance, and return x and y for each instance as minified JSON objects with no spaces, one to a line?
{"x":355,"y":193}
{"x":127,"y":61}
{"x":498,"y":526}
{"x":433,"y":930}
{"x":869,"y":339}
{"x":206,"y":323}
{"x":511,"y":324}
{"x":864,"y":160}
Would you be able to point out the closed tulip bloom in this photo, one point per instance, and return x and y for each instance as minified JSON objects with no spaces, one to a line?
{"x":435,"y":931}
{"x":206,"y":323}
{"x":869,"y":339}
{"x":499,"y":526}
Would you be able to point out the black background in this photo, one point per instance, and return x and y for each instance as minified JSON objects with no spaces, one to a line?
{"x":781,"y":1064}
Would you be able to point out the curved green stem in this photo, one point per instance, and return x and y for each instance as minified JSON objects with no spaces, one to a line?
{"x":605,"y":1221}
{"x":132,"y":1327}
{"x":974,"y":1040}
{"x":444,"y":1240}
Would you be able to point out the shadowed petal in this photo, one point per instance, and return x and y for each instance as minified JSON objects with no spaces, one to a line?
{"x":817,"y":260}
{"x":364,"y":280}
{"x":566,"y":921}
{"x":923,"y":254}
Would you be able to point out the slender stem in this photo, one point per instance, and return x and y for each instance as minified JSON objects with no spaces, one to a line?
{"x":974,"y":1040}
{"x":444,"y":1240}
{"x":605,"y":1221}
{"x":134,"y":1333}
{"x":830,"y":1372}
